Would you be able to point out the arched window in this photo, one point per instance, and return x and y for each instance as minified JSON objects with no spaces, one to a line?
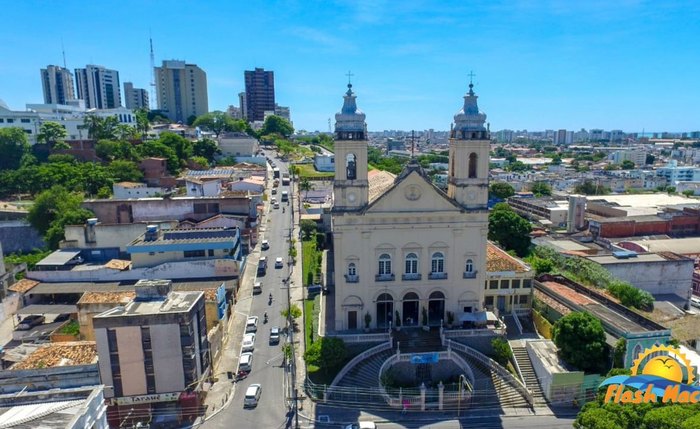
{"x":437,"y":263}
{"x":411,"y":263}
{"x":472,"y":165}
{"x":352,"y":269}
{"x":384,"y":264}
{"x":351,"y":166}
{"x":469,"y":266}
{"x":452,"y":166}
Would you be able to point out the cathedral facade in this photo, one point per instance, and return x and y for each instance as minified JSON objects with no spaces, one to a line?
{"x":405,"y":252}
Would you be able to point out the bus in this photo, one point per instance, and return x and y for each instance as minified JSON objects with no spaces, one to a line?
{"x":275,"y":173}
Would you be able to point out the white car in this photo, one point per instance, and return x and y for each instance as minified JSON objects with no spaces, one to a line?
{"x":277,"y":205}
{"x":248,"y":343}
{"x":257,"y":287}
{"x":245,"y":363}
{"x":274,"y":335}
{"x":252,"y":395}
{"x":251,"y":325}
{"x":279,"y":263}
{"x":265,"y":244}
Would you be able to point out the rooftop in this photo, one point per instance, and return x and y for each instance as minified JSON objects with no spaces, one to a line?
{"x":131,"y":184}
{"x":119,"y":287}
{"x":498,"y":260}
{"x":379,"y":182}
{"x":60,"y":354}
{"x":175,"y":302}
{"x":46,"y":409}
{"x":194,"y":235}
{"x":640,"y":200}
{"x":121,"y":297}
{"x":641,"y":258}
{"x":683,"y":246}
{"x":23,"y":285}
{"x":546,"y":351}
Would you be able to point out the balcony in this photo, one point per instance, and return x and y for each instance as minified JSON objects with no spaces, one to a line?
{"x":411,"y":276}
{"x":437,"y":276}
{"x":352,"y":279}
{"x":384,"y":277}
{"x":469,"y":274}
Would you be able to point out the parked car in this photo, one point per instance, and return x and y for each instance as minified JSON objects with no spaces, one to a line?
{"x":29,"y":322}
{"x":257,"y":288}
{"x":248,"y":343}
{"x":62,"y":317}
{"x":265,"y":245}
{"x":279,"y":263}
{"x":252,"y":396}
{"x":274,"y":335}
{"x":277,"y":205}
{"x":245,"y":363}
{"x":274,"y":191}
{"x":251,"y":325}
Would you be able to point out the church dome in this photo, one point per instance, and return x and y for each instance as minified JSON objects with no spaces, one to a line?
{"x":469,"y":121}
{"x":350,"y":121}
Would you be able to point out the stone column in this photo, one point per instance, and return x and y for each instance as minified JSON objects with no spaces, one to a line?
{"x":422,"y":396}
{"x":441,"y":389}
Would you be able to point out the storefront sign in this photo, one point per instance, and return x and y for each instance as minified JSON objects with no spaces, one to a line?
{"x":145,"y":399}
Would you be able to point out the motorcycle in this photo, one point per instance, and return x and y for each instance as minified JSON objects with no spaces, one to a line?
{"x":265,"y":318}
{"x":241,"y":375}
{"x":270,"y":300}
{"x":282,"y":209}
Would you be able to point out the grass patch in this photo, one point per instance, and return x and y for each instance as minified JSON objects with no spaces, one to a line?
{"x":308,"y":170}
{"x":71,"y":328}
{"x":326,"y":377}
{"x":310,"y":256}
{"x":309,"y":333}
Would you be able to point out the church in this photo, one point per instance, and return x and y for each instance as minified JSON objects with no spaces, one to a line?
{"x":407,"y":254}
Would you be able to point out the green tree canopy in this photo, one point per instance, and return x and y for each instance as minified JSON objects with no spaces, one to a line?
{"x":13,"y":146}
{"x":124,"y":171}
{"x":501,"y":190}
{"x":154,"y":148}
{"x":509,"y":229}
{"x":142,"y":122}
{"x":650,"y":159}
{"x":218,"y":122}
{"x":206,"y":148}
{"x":518,"y":166}
{"x":100,"y":128}
{"x":627,"y":165}
{"x":53,"y":134}
{"x":580,"y":338}
{"x":327,"y":353}
{"x":541,"y":189}
{"x":277,"y":125}
{"x":53,"y":210}
{"x":589,"y":187}
{"x":181,"y":146}
{"x":109,"y":150}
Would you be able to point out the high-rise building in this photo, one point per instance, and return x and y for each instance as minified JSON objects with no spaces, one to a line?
{"x":58,"y":85}
{"x":260,"y":93}
{"x":181,"y":90}
{"x":99,"y":87}
{"x":135,"y":98}
{"x":242,"y":104}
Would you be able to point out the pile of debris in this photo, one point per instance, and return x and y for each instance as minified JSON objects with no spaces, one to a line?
{"x":60,"y":354}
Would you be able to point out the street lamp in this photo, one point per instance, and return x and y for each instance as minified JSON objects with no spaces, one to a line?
{"x":462,"y":382}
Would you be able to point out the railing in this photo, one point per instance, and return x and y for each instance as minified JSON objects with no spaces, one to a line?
{"x":494,"y":366}
{"x":411,"y":276}
{"x":469,"y":274}
{"x":362,"y":356}
{"x":437,"y":276}
{"x":514,"y":361}
{"x":352,"y":279}
{"x":361,"y":338}
{"x":517,"y":321}
{"x":384,"y":277}
{"x":457,"y":333}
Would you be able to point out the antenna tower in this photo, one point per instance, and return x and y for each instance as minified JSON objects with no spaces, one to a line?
{"x":153,"y":74}
{"x":329,"y":126}
{"x":63,"y":51}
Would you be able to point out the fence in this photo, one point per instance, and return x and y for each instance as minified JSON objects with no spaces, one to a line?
{"x":361,"y":338}
{"x":362,"y":356}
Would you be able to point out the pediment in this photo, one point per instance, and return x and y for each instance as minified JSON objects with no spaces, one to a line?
{"x":411,"y":194}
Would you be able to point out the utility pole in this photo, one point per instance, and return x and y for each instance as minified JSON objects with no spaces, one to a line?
{"x":153,"y":75}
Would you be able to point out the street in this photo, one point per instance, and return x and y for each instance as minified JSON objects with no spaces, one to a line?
{"x":267,"y":368}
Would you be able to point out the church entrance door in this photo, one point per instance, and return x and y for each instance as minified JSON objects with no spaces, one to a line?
{"x":352,"y":320}
{"x":436,"y":308}
{"x":410,"y":309}
{"x":385,"y":310}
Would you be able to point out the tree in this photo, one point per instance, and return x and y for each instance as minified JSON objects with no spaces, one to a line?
{"x":501,"y":351}
{"x":13,"y":146}
{"x":124,"y":132}
{"x":509,"y":229}
{"x":588,"y":187}
{"x":294,"y":310}
{"x":650,"y":159}
{"x":53,"y":135}
{"x":501,"y":190}
{"x":542,"y":265}
{"x":518,"y":166}
{"x":627,"y":165}
{"x":179,"y":144}
{"x":206,"y":148}
{"x":308,"y":228}
{"x":580,"y":338}
{"x":541,"y":189}
{"x":142,"y":122}
{"x":327,"y":353}
{"x":53,"y":210}
{"x":688,"y":192}
{"x":556,"y":160}
{"x":198,"y":163}
{"x":109,"y":150}
{"x":305,"y":185}
{"x":158,"y":149}
{"x":277,"y":125}
{"x":218,"y":122}
{"x":124,"y":171}
{"x":619,"y":353}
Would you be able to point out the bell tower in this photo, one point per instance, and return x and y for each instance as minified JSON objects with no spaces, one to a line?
{"x":350,"y":188}
{"x":468,"y":175}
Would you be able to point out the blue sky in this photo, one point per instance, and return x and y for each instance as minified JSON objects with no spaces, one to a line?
{"x":612,"y":64}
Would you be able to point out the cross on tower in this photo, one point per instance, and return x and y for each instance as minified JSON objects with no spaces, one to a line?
{"x":349,"y":75}
{"x":471,"y":77}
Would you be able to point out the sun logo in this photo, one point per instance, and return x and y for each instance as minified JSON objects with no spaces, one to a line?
{"x":666,"y":362}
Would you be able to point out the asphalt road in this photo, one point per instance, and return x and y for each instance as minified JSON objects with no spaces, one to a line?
{"x":267,"y":370}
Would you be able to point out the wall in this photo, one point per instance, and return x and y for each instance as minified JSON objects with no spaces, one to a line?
{"x":542,"y":325}
{"x":108,"y":235}
{"x":19,"y":236}
{"x":121,"y":192}
{"x":167,"y":358}
{"x":92,"y":414}
{"x":657,"y":277}
{"x":215,"y":337}
{"x":12,"y":381}
{"x":557,"y":386}
{"x":145,"y":260}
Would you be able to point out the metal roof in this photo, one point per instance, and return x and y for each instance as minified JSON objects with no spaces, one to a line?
{"x":48,"y":309}
{"x":59,"y":257}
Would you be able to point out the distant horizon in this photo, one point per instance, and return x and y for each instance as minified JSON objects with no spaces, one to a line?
{"x":627,"y":65}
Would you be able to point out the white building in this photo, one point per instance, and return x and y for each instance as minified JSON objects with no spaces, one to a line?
{"x":98,"y":86}
{"x":324,"y":162}
{"x":675,"y":173}
{"x":252,"y":184}
{"x":639,"y":157}
{"x":126,"y":190}
{"x":403,"y":248}
{"x":57,"y":83}
{"x":238,"y":145}
{"x":203,"y":187}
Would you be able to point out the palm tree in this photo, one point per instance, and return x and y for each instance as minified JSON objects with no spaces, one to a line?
{"x":93,"y":124}
{"x":306,"y":186}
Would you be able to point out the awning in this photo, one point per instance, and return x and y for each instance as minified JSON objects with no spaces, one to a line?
{"x":59,"y":257}
{"x":48,"y":309}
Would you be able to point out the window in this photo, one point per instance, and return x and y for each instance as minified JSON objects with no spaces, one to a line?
{"x":469,"y":266}
{"x":472,"y":165}
{"x":515,"y":283}
{"x":24,"y":121}
{"x":437,"y":263}
{"x":194,"y":253}
{"x":351,"y":166}
{"x":504,"y":284}
{"x":352,"y":269}
{"x":384,"y":264}
{"x":493,"y":284}
{"x":488,"y":300}
{"x":211,"y":252}
{"x":10,"y":121}
{"x":527,"y":283}
{"x":523,"y":299}
{"x":411,"y":263}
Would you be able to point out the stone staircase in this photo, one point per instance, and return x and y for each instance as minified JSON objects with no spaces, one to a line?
{"x":413,"y":340}
{"x":486,"y":383}
{"x":529,"y":375}
{"x":366,"y":373}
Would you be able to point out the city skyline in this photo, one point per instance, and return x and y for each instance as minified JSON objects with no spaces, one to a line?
{"x":546,"y":65}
